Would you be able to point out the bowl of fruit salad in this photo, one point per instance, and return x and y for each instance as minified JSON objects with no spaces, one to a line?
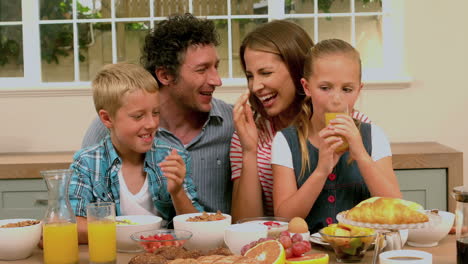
{"x":151,"y":240}
{"x":130,"y":224}
{"x":350,"y":243}
{"x":275,"y":225}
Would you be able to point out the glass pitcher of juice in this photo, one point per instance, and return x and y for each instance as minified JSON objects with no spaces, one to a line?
{"x":59,"y":233}
{"x":460,"y":194}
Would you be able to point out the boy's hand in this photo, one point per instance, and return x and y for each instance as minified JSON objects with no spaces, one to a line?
{"x":174,"y":170}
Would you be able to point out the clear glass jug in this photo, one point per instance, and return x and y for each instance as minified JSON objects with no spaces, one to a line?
{"x":460,"y":194}
{"x":60,"y":235}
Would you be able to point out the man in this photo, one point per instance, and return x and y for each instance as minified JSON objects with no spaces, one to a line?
{"x":181,"y":54}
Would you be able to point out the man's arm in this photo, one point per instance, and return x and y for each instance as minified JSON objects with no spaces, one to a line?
{"x":95,"y":133}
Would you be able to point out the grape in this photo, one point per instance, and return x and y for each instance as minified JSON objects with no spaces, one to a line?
{"x":296,"y":238}
{"x":298,"y":249}
{"x":285,"y":241}
{"x":285,"y":233}
{"x":244,"y":249}
{"x":289,"y":253}
{"x":307,"y":245}
{"x":263,"y":239}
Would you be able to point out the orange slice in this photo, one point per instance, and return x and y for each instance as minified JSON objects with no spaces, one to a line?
{"x":268,"y":252}
{"x":318,"y":258}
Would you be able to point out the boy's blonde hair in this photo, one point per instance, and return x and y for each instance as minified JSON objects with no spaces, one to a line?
{"x":114,"y":81}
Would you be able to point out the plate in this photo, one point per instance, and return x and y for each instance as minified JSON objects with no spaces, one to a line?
{"x":316,"y":238}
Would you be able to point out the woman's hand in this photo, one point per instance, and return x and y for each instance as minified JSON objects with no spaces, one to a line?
{"x":344,"y":126}
{"x":328,"y":142}
{"x":174,"y":170}
{"x":244,"y":123}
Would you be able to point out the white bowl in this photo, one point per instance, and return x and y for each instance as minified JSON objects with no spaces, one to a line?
{"x":238,"y":235}
{"x":18,"y":242}
{"x":431,"y":235}
{"x":206,"y":235}
{"x":141,"y":223}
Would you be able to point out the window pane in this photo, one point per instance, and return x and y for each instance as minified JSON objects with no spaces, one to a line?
{"x":210,"y":7}
{"x":248,"y":7}
{"x":57,"y":52}
{"x":240,"y":28}
{"x":369,"y":41}
{"x":335,"y":27}
{"x":95,"y":48}
{"x":94,"y":9}
{"x":298,"y":7}
{"x":56,"y":9}
{"x":11,"y":51}
{"x":10,"y":10}
{"x":368,"y":5}
{"x":222,"y":29}
{"x":307,"y":24}
{"x":132,"y":8}
{"x":130,"y":40}
{"x":330,"y":6}
{"x":164,"y":8}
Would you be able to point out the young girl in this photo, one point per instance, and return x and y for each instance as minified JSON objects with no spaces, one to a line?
{"x":312,"y":179}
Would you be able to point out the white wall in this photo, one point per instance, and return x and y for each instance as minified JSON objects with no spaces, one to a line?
{"x":430,"y":109}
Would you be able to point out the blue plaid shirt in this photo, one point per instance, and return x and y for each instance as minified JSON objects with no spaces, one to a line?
{"x":95,"y":177}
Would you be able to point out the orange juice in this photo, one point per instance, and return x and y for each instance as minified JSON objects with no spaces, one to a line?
{"x":331,"y":116}
{"x":102,"y":241}
{"x":60,"y":243}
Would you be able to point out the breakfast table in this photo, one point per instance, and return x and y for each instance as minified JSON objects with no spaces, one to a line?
{"x":444,"y":253}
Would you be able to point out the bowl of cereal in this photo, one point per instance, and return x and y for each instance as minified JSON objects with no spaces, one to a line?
{"x":275,"y":224}
{"x":207,"y":229}
{"x":18,"y":237}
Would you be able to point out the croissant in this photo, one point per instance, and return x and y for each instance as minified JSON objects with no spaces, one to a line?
{"x":383,"y":210}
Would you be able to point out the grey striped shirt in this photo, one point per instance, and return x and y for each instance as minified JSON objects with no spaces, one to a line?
{"x":211,"y":171}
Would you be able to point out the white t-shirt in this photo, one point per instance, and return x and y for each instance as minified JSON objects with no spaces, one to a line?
{"x":281,"y":153}
{"x":136,"y":204}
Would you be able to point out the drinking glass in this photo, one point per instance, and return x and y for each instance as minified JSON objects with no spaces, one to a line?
{"x":332,"y":114}
{"x":460,"y":193}
{"x":102,"y":233}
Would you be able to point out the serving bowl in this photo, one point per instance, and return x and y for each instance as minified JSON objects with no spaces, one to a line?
{"x":349,"y":245}
{"x":207,"y":234}
{"x":275,"y":225}
{"x":130,"y":224}
{"x":18,"y":242}
{"x":151,"y":240}
{"x":441,"y":222}
{"x":238,"y":235}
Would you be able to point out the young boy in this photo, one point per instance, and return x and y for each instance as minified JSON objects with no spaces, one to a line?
{"x":128,"y":167}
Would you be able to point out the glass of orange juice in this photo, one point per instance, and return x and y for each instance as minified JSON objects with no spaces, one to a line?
{"x":332,"y":115}
{"x":102,"y":233}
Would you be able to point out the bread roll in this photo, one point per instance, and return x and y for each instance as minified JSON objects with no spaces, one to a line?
{"x":391,"y":211}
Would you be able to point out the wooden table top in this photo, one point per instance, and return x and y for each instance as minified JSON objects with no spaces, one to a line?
{"x":444,"y":253}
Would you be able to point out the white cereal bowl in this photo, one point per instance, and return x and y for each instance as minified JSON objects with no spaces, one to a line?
{"x":431,"y":235}
{"x":238,"y":235}
{"x":18,"y":242}
{"x":137,"y":223}
{"x":206,"y":235}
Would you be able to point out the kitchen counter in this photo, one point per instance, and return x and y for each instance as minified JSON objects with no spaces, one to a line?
{"x":445,"y":253}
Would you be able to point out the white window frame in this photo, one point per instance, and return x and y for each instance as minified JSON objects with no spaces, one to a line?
{"x":394,"y":74}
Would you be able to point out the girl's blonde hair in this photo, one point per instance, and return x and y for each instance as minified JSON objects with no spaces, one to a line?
{"x":320,"y":50}
{"x":113,"y":81}
{"x":291,"y":43}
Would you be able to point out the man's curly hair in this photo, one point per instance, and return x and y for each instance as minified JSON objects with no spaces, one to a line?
{"x":166,"y":45}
